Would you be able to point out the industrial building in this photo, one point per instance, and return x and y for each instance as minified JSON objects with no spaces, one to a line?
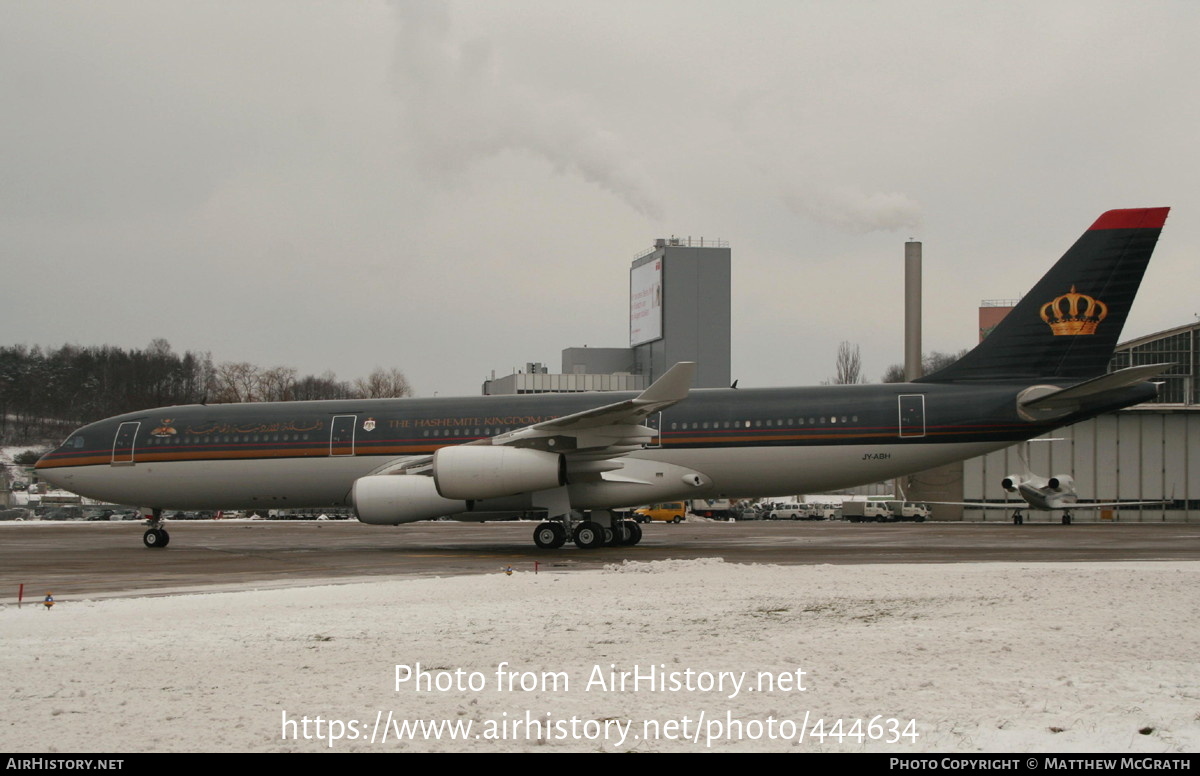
{"x":679,"y":310}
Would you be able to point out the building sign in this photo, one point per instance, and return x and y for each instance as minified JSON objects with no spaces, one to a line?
{"x":645,"y":302}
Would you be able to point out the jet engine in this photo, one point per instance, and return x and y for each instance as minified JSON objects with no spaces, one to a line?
{"x":1011,"y":483}
{"x":391,"y":499}
{"x":1061,"y":482}
{"x":473,"y":472}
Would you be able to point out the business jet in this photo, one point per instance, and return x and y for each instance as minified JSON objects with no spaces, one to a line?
{"x":578,"y":457}
{"x":1045,"y":494}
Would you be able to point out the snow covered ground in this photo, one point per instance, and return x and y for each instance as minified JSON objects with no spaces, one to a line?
{"x":988,"y":657}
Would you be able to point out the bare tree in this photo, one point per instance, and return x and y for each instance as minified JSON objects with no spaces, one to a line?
{"x":277,"y":384}
{"x":930,"y":363}
{"x":849,"y":366}
{"x":383,"y":384}
{"x":327,"y":386}
{"x":234,"y":382}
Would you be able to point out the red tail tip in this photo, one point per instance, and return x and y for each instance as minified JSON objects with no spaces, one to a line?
{"x":1137,"y":218}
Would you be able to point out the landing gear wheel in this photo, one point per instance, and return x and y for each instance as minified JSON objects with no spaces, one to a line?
{"x":1066,"y":519}
{"x":550,"y":536}
{"x":588,"y":535}
{"x":619,"y":533}
{"x":156,"y":538}
{"x":634,"y":533}
{"x":1018,"y":519}
{"x":610,"y":536}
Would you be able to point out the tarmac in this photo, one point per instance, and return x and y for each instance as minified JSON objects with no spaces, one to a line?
{"x":91,"y":560}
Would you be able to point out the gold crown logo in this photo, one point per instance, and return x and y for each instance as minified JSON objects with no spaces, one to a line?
{"x":1074,"y":313}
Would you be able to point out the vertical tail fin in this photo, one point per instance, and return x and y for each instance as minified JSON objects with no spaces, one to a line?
{"x":1068,"y":325}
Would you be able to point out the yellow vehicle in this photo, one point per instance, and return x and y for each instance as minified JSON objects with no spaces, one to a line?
{"x":669,"y":512}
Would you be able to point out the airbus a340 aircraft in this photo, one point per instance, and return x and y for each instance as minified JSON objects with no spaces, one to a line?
{"x":579,"y":456}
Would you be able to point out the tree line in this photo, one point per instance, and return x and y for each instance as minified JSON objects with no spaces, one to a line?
{"x":849,"y":365}
{"x":44,"y":391}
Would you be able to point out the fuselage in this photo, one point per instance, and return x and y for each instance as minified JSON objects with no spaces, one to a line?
{"x":747,"y":442}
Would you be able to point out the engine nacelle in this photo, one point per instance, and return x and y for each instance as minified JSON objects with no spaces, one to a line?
{"x":1061,"y":482}
{"x":475,"y":472}
{"x":1011,"y":483}
{"x":391,"y":499}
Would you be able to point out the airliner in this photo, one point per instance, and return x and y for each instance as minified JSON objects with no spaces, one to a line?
{"x":581,"y":456}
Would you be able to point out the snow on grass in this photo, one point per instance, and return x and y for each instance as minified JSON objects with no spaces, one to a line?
{"x":991,"y":657}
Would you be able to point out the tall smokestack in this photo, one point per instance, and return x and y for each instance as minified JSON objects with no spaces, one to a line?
{"x":912,"y":311}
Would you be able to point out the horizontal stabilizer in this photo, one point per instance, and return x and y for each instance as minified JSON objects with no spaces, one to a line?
{"x":1068,"y":398}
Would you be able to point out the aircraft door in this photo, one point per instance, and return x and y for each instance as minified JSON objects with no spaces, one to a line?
{"x":123,"y":442}
{"x":912,"y":415}
{"x":341,"y":435}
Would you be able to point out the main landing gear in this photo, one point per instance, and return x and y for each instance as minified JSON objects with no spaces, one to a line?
{"x":1018,"y":519}
{"x":588,"y":534}
{"x":1066,"y":518}
{"x":156,"y":536}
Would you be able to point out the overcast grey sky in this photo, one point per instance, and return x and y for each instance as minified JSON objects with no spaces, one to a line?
{"x":452,"y":188}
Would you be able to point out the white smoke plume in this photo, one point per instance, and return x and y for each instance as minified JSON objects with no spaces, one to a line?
{"x":853,"y":210}
{"x":458,"y":107}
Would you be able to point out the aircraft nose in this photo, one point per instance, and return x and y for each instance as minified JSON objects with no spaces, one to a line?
{"x":47,"y":471}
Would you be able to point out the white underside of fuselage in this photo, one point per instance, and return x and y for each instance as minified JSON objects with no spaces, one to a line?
{"x":1045,"y":500}
{"x":327,"y":481}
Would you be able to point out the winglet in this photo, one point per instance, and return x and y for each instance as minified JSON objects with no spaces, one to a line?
{"x":671,"y":387}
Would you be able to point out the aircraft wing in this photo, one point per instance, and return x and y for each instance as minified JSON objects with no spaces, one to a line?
{"x":980,"y":504}
{"x":1024,"y":505}
{"x":596,"y":434}
{"x":625,"y":416}
{"x":1116,"y":504}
